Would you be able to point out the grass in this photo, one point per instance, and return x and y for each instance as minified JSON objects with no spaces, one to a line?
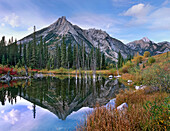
{"x":145,"y":112}
{"x":148,"y":109}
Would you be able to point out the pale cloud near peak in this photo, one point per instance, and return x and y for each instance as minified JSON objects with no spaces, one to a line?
{"x":98,"y":21}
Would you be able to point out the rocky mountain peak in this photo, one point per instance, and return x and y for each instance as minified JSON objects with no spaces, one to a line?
{"x":146,"y":44}
{"x":62,"y":27}
{"x":62,"y":20}
{"x":73,"y":34}
{"x":145,"y":39}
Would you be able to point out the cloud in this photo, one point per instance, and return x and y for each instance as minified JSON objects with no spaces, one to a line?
{"x":2,"y":111}
{"x":12,"y":20}
{"x":166,"y":2}
{"x":30,"y":28}
{"x":2,"y":24}
{"x":149,"y":17}
{"x":160,"y":19}
{"x":98,"y":21}
{"x":139,"y":10}
{"x":12,"y":117}
{"x":138,"y":13}
{"x":30,"y":107}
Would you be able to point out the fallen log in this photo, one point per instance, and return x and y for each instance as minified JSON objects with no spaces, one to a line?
{"x":8,"y":77}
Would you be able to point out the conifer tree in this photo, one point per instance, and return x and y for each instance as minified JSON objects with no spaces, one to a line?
{"x":58,"y":57}
{"x":3,"y":60}
{"x":74,"y":57}
{"x":15,"y":52}
{"x":20,"y":51}
{"x":83,"y":55}
{"x":69,"y":56}
{"x":2,"y":49}
{"x":33,"y":58}
{"x":103,"y":61}
{"x":91,"y":58}
{"x":63,"y":53}
{"x":120,"y":60}
{"x":40,"y":54}
{"x":98,"y":54}
{"x":24,"y":55}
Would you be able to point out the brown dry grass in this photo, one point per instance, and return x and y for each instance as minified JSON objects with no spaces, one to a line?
{"x":136,"y":116}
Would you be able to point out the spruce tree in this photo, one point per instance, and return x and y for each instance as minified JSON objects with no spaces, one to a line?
{"x":24,"y":55}
{"x":74,"y":57}
{"x":120,"y":60}
{"x":58,"y":57}
{"x":103,"y":62}
{"x":63,"y":53}
{"x":70,"y":56}
{"x":33,"y":58}
{"x":20,"y":51}
{"x":2,"y":49}
{"x":91,"y":58}
{"x":98,"y":57}
{"x":3,"y":60}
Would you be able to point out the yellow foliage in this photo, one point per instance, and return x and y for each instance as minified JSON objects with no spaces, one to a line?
{"x":146,"y":54}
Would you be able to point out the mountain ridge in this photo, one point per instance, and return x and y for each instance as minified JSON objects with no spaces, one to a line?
{"x":92,"y":37}
{"x":74,"y":34}
{"x":146,"y":44}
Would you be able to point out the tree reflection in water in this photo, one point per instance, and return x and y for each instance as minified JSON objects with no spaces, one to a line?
{"x":61,"y":96}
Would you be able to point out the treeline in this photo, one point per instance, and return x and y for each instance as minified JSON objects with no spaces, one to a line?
{"x":35,"y":54}
{"x":122,"y":61}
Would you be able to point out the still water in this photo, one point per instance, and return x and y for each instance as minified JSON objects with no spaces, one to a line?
{"x":48,"y":104}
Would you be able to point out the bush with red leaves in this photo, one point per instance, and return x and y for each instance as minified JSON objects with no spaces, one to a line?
{"x":6,"y":69}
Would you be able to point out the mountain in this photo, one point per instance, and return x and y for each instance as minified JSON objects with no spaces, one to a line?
{"x":83,"y":98}
{"x":54,"y":33}
{"x":146,"y":44}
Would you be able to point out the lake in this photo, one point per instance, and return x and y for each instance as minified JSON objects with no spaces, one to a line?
{"x":52,"y":103}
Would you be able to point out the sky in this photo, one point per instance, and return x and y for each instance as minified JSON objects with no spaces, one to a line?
{"x":12,"y":117}
{"x":126,"y":20}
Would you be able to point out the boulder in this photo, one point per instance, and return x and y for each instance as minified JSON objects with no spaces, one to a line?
{"x":129,"y":81}
{"x":111,"y":103}
{"x":36,"y":76}
{"x":140,"y":87}
{"x":122,"y":107}
{"x":110,"y":77}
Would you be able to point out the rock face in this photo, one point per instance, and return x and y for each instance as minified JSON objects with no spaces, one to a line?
{"x":54,"y":33}
{"x":147,"y":45}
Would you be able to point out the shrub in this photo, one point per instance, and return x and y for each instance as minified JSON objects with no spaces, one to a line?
{"x":6,"y":69}
{"x":127,"y":66}
{"x":137,"y":59}
{"x":158,"y":111}
{"x":146,"y":54}
{"x":156,"y":77}
{"x":151,"y":60}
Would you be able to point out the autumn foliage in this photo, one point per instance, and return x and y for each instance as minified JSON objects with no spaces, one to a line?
{"x":4,"y":70}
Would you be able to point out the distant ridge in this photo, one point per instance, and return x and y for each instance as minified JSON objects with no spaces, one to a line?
{"x":146,"y":44}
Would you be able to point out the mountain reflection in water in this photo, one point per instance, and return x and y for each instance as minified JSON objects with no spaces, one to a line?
{"x":60,"y":96}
